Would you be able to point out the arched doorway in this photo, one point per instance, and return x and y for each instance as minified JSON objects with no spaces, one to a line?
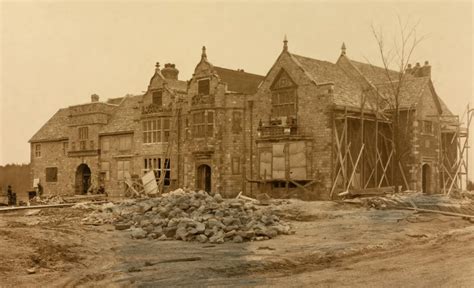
{"x":426,"y":178}
{"x":83,"y":179}
{"x":203,"y":178}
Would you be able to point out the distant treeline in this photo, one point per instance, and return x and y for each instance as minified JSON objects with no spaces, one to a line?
{"x":16,"y":175}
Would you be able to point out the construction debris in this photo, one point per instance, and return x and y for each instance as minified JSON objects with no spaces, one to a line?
{"x":423,"y":203}
{"x":191,"y":216}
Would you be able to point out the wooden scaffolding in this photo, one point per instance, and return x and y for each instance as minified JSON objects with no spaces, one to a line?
{"x":454,"y":152}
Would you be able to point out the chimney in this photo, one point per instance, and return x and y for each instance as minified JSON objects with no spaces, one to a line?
{"x":425,"y":71}
{"x":170,"y":71}
{"x":94,"y":98}
{"x":409,"y":69}
{"x":420,"y":71}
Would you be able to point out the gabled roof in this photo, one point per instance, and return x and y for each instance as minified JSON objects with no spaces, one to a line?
{"x":123,"y":118}
{"x":375,"y":75}
{"x":55,"y":129}
{"x":410,"y":91}
{"x":238,"y":80}
{"x":346,"y":90}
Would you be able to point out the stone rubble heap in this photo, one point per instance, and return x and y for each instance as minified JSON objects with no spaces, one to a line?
{"x":191,"y":216}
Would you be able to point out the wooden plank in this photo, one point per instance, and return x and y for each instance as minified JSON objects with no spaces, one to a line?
{"x":437,"y":212}
{"x":372,"y":191}
{"x":9,"y":209}
{"x":149,"y":183}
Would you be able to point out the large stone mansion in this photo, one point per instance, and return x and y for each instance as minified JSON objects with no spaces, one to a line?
{"x":308,"y":128}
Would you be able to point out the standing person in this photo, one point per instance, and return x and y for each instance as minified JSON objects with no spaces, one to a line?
{"x":10,"y":195}
{"x":39,"y":190}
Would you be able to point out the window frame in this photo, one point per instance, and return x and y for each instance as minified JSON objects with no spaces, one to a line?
{"x":280,"y":104}
{"x":425,"y":125}
{"x":204,"y":128}
{"x":155,"y":164}
{"x":155,"y":130}
{"x":37,"y":150}
{"x":204,"y":80}
{"x":154,"y":95}
{"x":121,"y":171}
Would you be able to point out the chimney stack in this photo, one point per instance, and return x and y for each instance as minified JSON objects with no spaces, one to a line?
{"x":419,"y":71}
{"x":94,"y":98}
{"x":170,"y":71}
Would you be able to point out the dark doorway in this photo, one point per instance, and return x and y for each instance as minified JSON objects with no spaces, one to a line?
{"x":83,"y":179}
{"x":204,"y":178}
{"x":426,"y":178}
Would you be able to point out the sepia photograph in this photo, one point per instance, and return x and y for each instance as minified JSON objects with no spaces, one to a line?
{"x":202,"y":143}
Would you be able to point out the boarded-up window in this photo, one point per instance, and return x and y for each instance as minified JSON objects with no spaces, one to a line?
{"x":105,"y":144}
{"x":283,"y":157}
{"x":235,"y":165}
{"x":203,"y":87}
{"x":236,"y":122}
{"x":297,"y":155}
{"x":157,"y":98}
{"x":52,"y":174}
{"x":278,"y":160}
{"x":265,"y":164}
{"x":125,"y":143}
{"x":105,"y":169}
{"x":123,"y":169}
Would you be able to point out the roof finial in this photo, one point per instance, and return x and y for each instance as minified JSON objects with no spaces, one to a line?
{"x":204,"y":55}
{"x":157,"y":66}
{"x":285,"y":44}
{"x":343,"y":49}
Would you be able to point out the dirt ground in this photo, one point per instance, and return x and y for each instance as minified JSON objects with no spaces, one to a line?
{"x":335,"y":245}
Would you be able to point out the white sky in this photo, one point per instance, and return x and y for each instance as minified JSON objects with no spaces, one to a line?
{"x":56,"y":54}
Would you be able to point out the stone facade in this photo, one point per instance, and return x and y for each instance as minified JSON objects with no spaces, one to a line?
{"x":228,"y":131}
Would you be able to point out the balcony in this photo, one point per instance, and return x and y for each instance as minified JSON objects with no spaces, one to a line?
{"x":153,"y":108}
{"x":281,"y":127}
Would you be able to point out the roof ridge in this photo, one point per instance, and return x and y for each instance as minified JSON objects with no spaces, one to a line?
{"x":314,"y":59}
{"x":239,"y":71}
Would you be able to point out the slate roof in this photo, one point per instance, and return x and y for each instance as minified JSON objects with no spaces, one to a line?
{"x":56,"y":128}
{"x":375,"y":74}
{"x":239,"y":81}
{"x":122,"y":120}
{"x":410,"y":91}
{"x":347,"y":91}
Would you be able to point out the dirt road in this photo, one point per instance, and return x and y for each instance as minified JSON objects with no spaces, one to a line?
{"x":334,"y":245}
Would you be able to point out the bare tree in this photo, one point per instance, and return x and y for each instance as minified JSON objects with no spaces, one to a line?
{"x":395,"y":56}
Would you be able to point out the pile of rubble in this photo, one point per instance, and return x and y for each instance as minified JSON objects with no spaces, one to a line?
{"x":191,"y":216}
{"x":47,"y":200}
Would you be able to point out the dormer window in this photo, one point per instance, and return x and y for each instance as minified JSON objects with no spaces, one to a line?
{"x":157,"y":98}
{"x":203,"y":87}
